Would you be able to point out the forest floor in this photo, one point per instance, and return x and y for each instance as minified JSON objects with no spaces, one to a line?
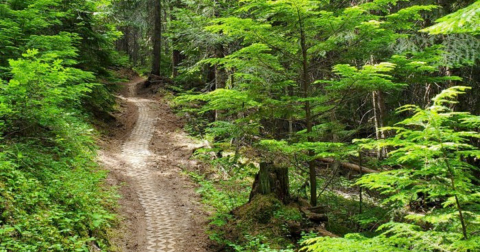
{"x":147,"y":154}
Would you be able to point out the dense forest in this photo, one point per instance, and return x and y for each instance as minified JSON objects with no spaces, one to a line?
{"x":329,"y":125}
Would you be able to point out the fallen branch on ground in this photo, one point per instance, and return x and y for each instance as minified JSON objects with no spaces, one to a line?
{"x":350,"y":166}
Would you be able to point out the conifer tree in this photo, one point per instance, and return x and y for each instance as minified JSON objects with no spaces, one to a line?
{"x":432,"y":147}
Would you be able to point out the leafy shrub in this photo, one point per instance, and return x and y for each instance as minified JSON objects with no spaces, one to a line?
{"x":51,"y":196}
{"x":430,"y":149}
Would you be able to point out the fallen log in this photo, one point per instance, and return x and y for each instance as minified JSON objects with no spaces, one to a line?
{"x":317,"y":218}
{"x":324,"y":232}
{"x":318,"y":209}
{"x":156,"y":79}
{"x":314,"y":217}
{"x":350,"y":166}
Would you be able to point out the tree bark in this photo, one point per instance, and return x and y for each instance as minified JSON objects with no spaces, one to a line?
{"x":308,"y":111}
{"x":271,"y":180}
{"x":379,"y":110}
{"x":220,"y":73}
{"x":157,"y":38}
{"x":176,"y":54}
{"x":135,"y":54}
{"x":123,"y":43}
{"x":176,"y":59}
{"x":220,"y":77}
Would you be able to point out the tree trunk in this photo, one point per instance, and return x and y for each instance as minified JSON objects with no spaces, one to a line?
{"x":220,"y":73}
{"x":122,"y":44}
{"x":135,"y":50}
{"x":220,"y":77}
{"x":231,"y":75}
{"x":127,"y":42}
{"x":308,"y":111}
{"x":289,"y":92}
{"x":271,"y":179}
{"x":379,"y":111}
{"x":165,"y":17}
{"x":176,"y":55}
{"x":157,"y":38}
{"x":176,"y":59}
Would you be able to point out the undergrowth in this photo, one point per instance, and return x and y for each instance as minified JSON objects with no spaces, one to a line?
{"x":52,"y":196}
{"x":223,"y":194}
{"x":225,"y":191}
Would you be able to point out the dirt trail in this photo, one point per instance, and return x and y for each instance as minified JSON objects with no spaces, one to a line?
{"x":159,"y":206}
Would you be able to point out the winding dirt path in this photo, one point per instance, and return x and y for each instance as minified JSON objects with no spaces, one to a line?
{"x":160,"y":209}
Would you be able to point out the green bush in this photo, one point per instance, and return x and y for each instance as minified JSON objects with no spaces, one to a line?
{"x":51,"y":195}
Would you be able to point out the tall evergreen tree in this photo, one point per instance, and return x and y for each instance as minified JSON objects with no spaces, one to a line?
{"x":157,"y":38}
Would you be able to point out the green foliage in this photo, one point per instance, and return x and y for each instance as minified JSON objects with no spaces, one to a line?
{"x":43,"y":24}
{"x":229,"y":189}
{"x":219,"y":196}
{"x":320,"y":149}
{"x":466,"y":20}
{"x":370,"y":77}
{"x":49,"y":182}
{"x":67,"y":32}
{"x":221,"y":99}
{"x":52,"y":205}
{"x":431,"y":146}
{"x":351,"y":243}
{"x":461,"y":27}
{"x":52,"y":196}
{"x":400,"y":237}
{"x":40,"y":89}
{"x":301,"y":76}
{"x":257,"y":244}
{"x":268,"y":84}
{"x":343,"y":211}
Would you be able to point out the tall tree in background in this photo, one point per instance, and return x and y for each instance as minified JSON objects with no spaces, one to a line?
{"x":176,"y":51}
{"x":286,"y":64}
{"x":157,"y":38}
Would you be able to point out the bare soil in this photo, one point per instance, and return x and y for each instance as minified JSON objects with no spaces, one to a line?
{"x":147,"y":154}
